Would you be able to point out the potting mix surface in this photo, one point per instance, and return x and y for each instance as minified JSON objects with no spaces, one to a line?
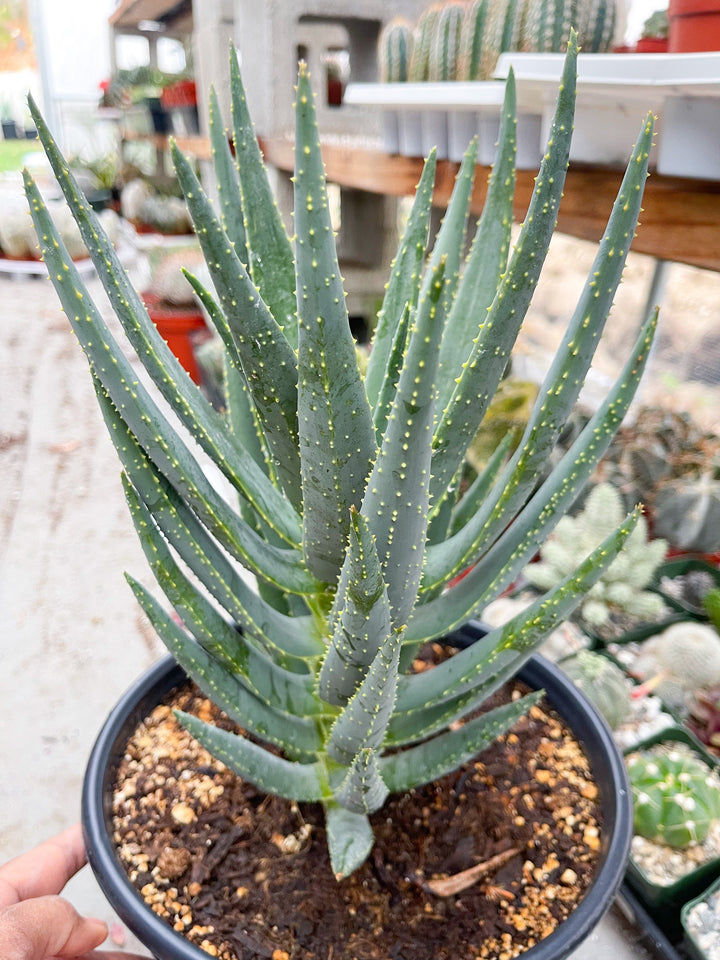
{"x":246,"y":876}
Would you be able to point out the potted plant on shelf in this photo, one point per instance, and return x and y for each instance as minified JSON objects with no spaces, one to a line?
{"x":346,"y":510}
{"x":654,"y":35}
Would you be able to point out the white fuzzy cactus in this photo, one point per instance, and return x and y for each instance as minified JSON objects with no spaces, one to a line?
{"x":621,"y":588}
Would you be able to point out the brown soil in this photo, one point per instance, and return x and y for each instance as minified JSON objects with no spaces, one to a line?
{"x":247,"y":876}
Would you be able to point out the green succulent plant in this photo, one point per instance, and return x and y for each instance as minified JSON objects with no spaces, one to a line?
{"x":602,"y":682}
{"x":347,"y":506}
{"x":675,"y":801}
{"x":620,"y":589}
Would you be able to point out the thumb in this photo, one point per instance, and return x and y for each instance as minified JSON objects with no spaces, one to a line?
{"x":47,"y":927}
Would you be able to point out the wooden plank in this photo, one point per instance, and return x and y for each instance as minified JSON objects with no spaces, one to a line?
{"x":193,"y":146}
{"x":131,"y":12}
{"x":680,"y":220}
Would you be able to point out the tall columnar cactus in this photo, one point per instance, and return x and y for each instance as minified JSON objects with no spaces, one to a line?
{"x":546,"y":24}
{"x":422,"y":43}
{"x":395,"y":45}
{"x":472,"y":40}
{"x":445,"y":43}
{"x":348,"y":510}
{"x":675,"y":799}
{"x":596,"y":24}
{"x":501,"y":34}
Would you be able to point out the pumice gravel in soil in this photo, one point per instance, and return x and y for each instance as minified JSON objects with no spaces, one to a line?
{"x":246,"y":876}
{"x":703,"y":923}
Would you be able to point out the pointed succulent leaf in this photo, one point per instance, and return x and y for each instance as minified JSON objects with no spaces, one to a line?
{"x":396,"y":510}
{"x":289,"y":692}
{"x":433,"y":759}
{"x":349,"y":838}
{"x":363,"y":789}
{"x":490,"y":353}
{"x":267,"y":358}
{"x":303,"y":782}
{"x":388,"y":387}
{"x":241,"y":409}
{"x":337,"y":440}
{"x":188,"y":403}
{"x":488,"y":256}
{"x":563,"y":382}
{"x":405,"y":278}
{"x":298,"y":737}
{"x":228,"y":185}
{"x":285,"y":637}
{"x":522,"y":634}
{"x":363,"y":622}
{"x":450,"y":240}
{"x":478,"y":490}
{"x":363,"y":721}
{"x":148,"y":424}
{"x":271,"y":256}
{"x":413,"y":726}
{"x":506,"y":558}
{"x":503,"y":562}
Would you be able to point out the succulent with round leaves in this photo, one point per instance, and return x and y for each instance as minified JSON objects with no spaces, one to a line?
{"x":621,"y":588}
{"x":602,"y":682}
{"x":675,"y":799}
{"x":348,"y":508}
{"x":395,"y":45}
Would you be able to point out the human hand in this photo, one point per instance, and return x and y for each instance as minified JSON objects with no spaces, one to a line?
{"x":35,"y":922}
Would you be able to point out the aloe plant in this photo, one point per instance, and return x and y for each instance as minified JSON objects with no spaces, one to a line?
{"x":347,"y":506}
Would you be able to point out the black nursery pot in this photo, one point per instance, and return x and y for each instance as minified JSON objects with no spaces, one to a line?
{"x":165,"y":944}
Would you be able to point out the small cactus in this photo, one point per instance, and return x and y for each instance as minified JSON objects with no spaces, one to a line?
{"x":620,"y":590}
{"x":685,"y":657}
{"x":675,"y":800}
{"x":472,"y":40}
{"x":602,"y":682}
{"x":445,"y":43}
{"x":687,"y":513}
{"x":502,"y":33}
{"x":596,"y":24}
{"x":395,"y":45}
{"x":546,"y":24}
{"x":422,"y":43}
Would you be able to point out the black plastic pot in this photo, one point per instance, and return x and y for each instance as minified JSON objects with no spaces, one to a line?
{"x":165,"y":944}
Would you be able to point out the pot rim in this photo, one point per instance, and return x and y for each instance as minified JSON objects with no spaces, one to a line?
{"x":588,"y":726}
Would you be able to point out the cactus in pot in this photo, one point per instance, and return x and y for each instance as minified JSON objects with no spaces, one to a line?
{"x":395,"y":45}
{"x":444,"y":57}
{"x":348,"y":510}
{"x":675,"y":800}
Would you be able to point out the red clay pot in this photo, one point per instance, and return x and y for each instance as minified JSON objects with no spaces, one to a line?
{"x":652,"y":45}
{"x":694,"y":25}
{"x":179,"y":327}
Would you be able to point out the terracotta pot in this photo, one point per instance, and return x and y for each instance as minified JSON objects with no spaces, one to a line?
{"x":179,"y":327}
{"x":694,"y":25}
{"x":165,"y":944}
{"x":652,"y":45}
